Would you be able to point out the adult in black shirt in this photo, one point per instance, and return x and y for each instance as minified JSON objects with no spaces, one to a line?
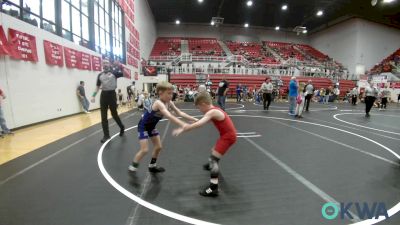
{"x":108,"y":98}
{"x":222,"y":91}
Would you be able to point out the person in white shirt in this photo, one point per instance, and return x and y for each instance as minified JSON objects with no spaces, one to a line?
{"x":354,"y":95}
{"x":370,"y":96}
{"x":3,"y":125}
{"x":309,"y":92}
{"x":266,"y":90}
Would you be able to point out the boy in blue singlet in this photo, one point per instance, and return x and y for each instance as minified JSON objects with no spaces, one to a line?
{"x":147,"y":125}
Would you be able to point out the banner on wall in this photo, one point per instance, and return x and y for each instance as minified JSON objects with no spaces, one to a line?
{"x":72,"y":57}
{"x":136,"y":76}
{"x":53,"y":53}
{"x":22,"y":45}
{"x":149,"y":71}
{"x":4,"y":48}
{"x":96,"y":63}
{"x":85,"y":62}
{"x":126,"y":72}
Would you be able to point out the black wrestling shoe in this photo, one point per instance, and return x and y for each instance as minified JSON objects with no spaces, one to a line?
{"x":208,"y":192}
{"x":156,"y":169}
{"x":206,"y":167}
{"x":105,"y":138}
{"x":122,"y":131}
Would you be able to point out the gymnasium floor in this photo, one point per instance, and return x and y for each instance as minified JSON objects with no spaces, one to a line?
{"x":281,"y":171}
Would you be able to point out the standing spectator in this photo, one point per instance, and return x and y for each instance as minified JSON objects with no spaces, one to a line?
{"x":223,"y":88}
{"x":309,"y":92}
{"x":120,"y":97}
{"x":266,"y":90}
{"x":336,"y":93}
{"x":300,"y":100}
{"x":385,"y":94}
{"x":354,"y":95}
{"x":80,"y":91}
{"x":370,"y":97}
{"x":238,"y":93}
{"x":175,"y":91}
{"x":107,"y":80}
{"x":293,"y":92}
{"x":208,"y":86}
{"x":3,"y":124}
{"x":328,"y":93}
{"x":245,"y":93}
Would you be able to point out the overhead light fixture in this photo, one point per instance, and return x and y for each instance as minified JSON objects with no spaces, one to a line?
{"x":177,"y":22}
{"x":277,"y":28}
{"x":246,"y":25}
{"x":284,"y":7}
{"x":200,"y":1}
{"x":388,"y":1}
{"x":212,"y":23}
{"x":320,"y":13}
{"x":249,"y":3}
{"x":304,"y":31}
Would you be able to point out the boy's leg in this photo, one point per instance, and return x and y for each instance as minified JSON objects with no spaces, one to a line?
{"x":138,"y":157}
{"x":156,"y":152}
{"x":213,"y":167}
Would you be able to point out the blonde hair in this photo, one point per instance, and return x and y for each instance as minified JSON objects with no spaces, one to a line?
{"x":301,"y":86}
{"x":203,"y":97}
{"x":163,"y":86}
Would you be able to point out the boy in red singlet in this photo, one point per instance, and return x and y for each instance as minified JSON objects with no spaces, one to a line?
{"x":227,"y":137}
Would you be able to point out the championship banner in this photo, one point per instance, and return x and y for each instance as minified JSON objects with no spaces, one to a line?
{"x":85,"y":62}
{"x":136,"y":76}
{"x":53,"y":53}
{"x":22,"y":46}
{"x":4,"y":48}
{"x":126,"y":72}
{"x":72,"y":57}
{"x":96,"y":63}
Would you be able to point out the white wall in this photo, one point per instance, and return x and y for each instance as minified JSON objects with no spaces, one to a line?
{"x":357,"y":43}
{"x":146,"y":25}
{"x":36,"y":90}
{"x":236,"y":33}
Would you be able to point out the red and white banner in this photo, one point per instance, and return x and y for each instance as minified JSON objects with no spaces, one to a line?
{"x":96,"y":63}
{"x":126,"y":72}
{"x":85,"y":62}
{"x":22,"y":45}
{"x":4,"y":48}
{"x":72,"y":57}
{"x":132,"y":61}
{"x":53,"y":53}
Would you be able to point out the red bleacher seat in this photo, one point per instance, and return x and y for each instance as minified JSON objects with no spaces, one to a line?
{"x":167,"y":46}
{"x":205,"y":47}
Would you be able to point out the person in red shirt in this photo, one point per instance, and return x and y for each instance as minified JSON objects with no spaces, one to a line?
{"x":227,"y":138}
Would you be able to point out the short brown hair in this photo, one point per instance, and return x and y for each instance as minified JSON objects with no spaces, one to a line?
{"x":203,"y":97}
{"x":163,"y":86}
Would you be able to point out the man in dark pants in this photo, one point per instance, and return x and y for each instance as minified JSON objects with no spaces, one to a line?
{"x":354,"y":95}
{"x":266,"y":90}
{"x":309,"y":90}
{"x":223,"y":88}
{"x":108,"y":98}
{"x":370,"y":96}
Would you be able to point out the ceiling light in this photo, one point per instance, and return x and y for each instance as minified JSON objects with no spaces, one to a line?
{"x":277,"y":28}
{"x":246,"y":25}
{"x":212,"y":23}
{"x":200,"y":1}
{"x":320,"y":13}
{"x":177,"y":21}
{"x":249,"y":3}
{"x":388,"y":1}
{"x":284,"y":7}
{"x":304,"y":31}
